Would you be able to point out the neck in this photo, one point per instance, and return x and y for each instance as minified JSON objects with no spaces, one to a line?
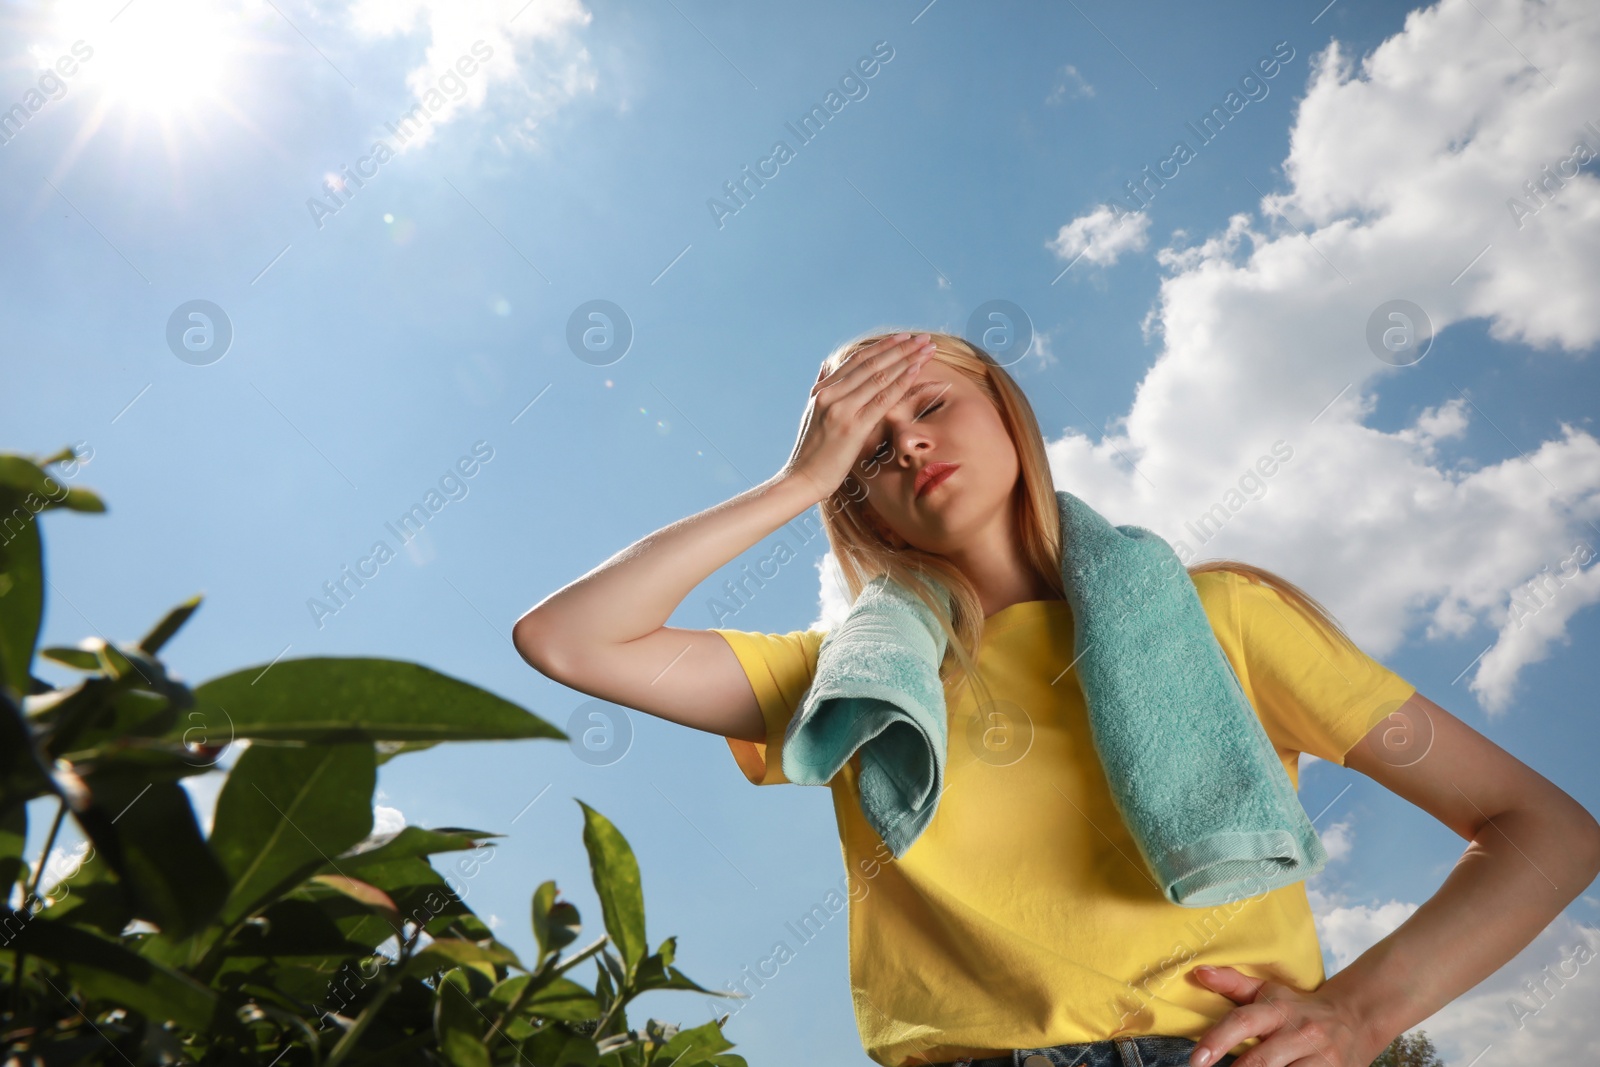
{"x":996,"y":569}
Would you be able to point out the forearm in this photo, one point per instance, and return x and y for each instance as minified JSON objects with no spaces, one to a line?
{"x":1515,"y":876}
{"x":635,"y":591}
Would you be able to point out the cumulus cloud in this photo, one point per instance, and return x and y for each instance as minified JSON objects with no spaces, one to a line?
{"x":1538,"y":1008}
{"x":533,"y":53}
{"x":1348,"y":930}
{"x":1338,"y":840}
{"x":1101,"y":237}
{"x":1405,"y":173}
{"x":1399,"y":173}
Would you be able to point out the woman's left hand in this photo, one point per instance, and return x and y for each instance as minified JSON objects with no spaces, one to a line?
{"x":1296,"y":1028}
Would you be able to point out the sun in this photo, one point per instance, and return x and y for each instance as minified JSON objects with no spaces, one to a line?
{"x":165,"y":56}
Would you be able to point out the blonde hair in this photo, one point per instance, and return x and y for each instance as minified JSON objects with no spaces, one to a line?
{"x":862,"y":543}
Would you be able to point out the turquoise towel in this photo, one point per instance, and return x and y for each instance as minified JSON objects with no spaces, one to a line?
{"x":1190,"y":766}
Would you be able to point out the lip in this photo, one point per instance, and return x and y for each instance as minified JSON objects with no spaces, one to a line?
{"x":933,"y":474}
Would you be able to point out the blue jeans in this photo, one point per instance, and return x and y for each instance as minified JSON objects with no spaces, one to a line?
{"x":1150,"y":1050}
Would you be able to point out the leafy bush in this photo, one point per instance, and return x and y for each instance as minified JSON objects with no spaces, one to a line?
{"x":290,"y":935}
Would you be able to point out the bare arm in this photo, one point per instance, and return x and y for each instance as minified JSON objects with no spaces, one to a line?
{"x":1531,"y":850}
{"x":605,"y":634}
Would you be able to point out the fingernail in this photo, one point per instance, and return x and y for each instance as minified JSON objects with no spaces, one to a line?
{"x":1202,"y":1057}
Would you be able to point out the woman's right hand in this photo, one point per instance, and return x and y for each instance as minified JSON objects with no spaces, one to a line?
{"x":848,"y":404}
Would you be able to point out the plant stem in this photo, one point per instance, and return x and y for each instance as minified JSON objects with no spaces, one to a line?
{"x":49,"y":843}
{"x":32,"y":895}
{"x":347,"y":1043}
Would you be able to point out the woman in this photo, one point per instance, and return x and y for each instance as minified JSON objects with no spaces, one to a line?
{"x":1021,"y":926}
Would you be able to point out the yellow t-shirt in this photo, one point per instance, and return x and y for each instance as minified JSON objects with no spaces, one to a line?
{"x":1023,"y":916}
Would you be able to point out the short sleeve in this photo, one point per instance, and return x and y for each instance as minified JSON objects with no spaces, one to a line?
{"x":780,"y":668}
{"x":1315,"y":692}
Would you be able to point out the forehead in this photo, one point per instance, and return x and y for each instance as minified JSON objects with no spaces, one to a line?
{"x":930,"y":386}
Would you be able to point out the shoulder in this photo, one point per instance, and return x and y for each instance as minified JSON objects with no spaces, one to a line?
{"x":1219,"y":593}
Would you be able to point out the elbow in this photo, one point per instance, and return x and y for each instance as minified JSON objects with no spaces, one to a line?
{"x":531,"y":637}
{"x":1591,"y":834}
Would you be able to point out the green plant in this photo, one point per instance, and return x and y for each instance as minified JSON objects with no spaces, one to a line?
{"x":1409,"y":1050}
{"x":289,"y":935}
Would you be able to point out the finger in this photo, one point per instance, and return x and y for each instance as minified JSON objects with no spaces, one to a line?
{"x":1234,"y":984}
{"x":868,"y":359}
{"x":1238,"y":1025}
{"x":858,"y":385}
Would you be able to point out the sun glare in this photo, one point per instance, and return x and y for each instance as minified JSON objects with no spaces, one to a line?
{"x":164,"y":56}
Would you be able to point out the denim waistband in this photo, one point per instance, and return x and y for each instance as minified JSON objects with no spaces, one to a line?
{"x":1149,"y":1050}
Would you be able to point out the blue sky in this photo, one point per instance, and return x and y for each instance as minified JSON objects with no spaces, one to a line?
{"x":382,"y":331}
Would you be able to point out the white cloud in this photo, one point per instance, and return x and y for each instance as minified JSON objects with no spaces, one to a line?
{"x":1072,"y":85}
{"x":1101,"y":237}
{"x":1338,"y":840}
{"x":386,"y":823}
{"x":1538,"y":1008}
{"x":386,"y":820}
{"x":532,"y":48}
{"x":1400,"y":169}
{"x":1348,"y":930}
{"x":61,"y":864}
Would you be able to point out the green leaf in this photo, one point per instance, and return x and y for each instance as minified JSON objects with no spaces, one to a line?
{"x":554,"y":1045}
{"x":616,"y":881}
{"x":107,"y":972}
{"x":171,"y":624}
{"x":563,"y":999}
{"x":657,"y":972}
{"x":444,"y":953}
{"x":23,"y":772}
{"x":418,"y":891}
{"x":21,"y":476}
{"x":458,"y":1024}
{"x":698,"y":1045}
{"x":364,"y":893}
{"x":411,"y":841}
{"x":555,"y":923}
{"x":81,"y":658}
{"x":299,"y":929}
{"x":13,"y":837}
{"x":388,"y":750}
{"x":326,"y":697}
{"x":147,"y":832}
{"x":283,"y":811}
{"x":21,"y":588}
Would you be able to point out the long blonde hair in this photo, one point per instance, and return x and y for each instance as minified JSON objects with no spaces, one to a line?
{"x":861,"y":543}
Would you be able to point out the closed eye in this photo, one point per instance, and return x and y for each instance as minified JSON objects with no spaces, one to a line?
{"x":929,"y":410}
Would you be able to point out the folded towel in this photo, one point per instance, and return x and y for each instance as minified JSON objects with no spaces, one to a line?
{"x":1190,"y":766}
